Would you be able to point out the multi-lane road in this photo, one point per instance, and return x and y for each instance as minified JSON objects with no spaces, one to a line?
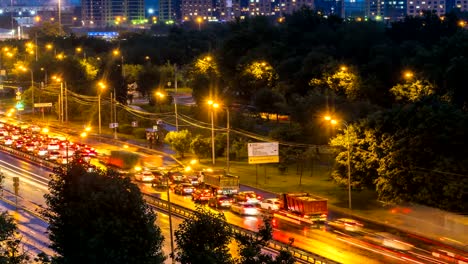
{"x":340,"y":247}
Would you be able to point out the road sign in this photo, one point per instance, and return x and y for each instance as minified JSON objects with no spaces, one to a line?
{"x":16,"y":184}
{"x":43,"y":105}
{"x":264,"y":159}
{"x":134,"y":123}
{"x":263,"y":152}
{"x":113,"y":125}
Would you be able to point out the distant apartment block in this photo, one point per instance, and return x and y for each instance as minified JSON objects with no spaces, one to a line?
{"x":287,"y":7}
{"x":198,"y":9}
{"x":102,"y":13}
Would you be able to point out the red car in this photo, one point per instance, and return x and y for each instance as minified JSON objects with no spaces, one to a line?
{"x":202,"y":195}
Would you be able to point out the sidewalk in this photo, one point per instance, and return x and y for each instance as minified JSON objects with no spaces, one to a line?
{"x":435,"y":224}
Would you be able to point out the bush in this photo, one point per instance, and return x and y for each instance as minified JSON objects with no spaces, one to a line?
{"x":139,"y":133}
{"x":126,"y":129}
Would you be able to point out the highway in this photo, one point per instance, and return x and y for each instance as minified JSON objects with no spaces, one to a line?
{"x":338,"y":247}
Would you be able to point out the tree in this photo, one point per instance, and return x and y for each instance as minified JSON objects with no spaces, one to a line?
{"x":10,"y":244}
{"x":99,"y":217}
{"x":204,"y":238}
{"x":179,"y":141}
{"x":412,"y":91}
{"x":250,"y":247}
{"x":201,"y":147}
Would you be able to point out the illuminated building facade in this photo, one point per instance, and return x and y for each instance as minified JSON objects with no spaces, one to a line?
{"x":101,"y":13}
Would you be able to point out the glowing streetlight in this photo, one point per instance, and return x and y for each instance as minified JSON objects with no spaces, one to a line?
{"x":59,"y":80}
{"x":199,"y":21}
{"x":159,"y":96}
{"x":408,"y":75}
{"x":348,"y":147}
{"x":102,"y":87}
{"x":213,"y":106}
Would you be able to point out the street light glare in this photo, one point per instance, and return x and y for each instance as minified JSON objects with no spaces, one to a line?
{"x":328,"y":118}
{"x":333,"y":122}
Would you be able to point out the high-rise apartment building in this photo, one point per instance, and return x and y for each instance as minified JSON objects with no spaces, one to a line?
{"x":288,"y":7}
{"x":198,"y":9}
{"x":416,"y":7}
{"x":101,"y":13}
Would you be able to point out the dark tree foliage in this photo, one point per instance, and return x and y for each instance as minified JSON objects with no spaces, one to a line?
{"x":250,"y":247}
{"x":11,"y":251}
{"x":415,"y":152}
{"x":99,"y":217}
{"x":204,"y":238}
{"x":427,"y":30}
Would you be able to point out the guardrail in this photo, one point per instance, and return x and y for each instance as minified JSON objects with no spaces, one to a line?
{"x":180,"y":211}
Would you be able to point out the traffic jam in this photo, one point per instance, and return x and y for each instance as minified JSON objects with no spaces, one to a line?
{"x":216,"y":189}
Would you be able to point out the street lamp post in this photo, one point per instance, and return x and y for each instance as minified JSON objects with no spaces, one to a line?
{"x":175,"y":99}
{"x":115,"y":113}
{"x":348,"y":150}
{"x":169,"y":211}
{"x":170,"y":220}
{"x":213,"y":105}
{"x":58,"y":79}
{"x":228,"y":127}
{"x":102,"y":86}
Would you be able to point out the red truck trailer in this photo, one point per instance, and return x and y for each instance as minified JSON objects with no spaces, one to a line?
{"x":302,"y":208}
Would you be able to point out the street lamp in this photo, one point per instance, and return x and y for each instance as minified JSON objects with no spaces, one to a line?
{"x":348,"y":147}
{"x":199,"y":21}
{"x":169,"y":211}
{"x":408,"y":75}
{"x":102,"y":86}
{"x":24,"y":69}
{"x":116,"y":53}
{"x":213,"y":105}
{"x":158,"y":101}
{"x":58,"y":79}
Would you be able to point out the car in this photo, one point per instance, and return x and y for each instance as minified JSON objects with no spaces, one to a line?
{"x":41,"y":152}
{"x":53,"y":146}
{"x":271,"y":204}
{"x":244,"y":209}
{"x":183,"y":189}
{"x":18,"y":144}
{"x":249,"y":197}
{"x":202,"y":195}
{"x":160,"y":182}
{"x":53,"y":155}
{"x":176,"y":177}
{"x":144,"y":176}
{"x":193,"y":180}
{"x":8,"y":141}
{"x":221,"y":201}
{"x":346,"y":224}
{"x":29,"y":147}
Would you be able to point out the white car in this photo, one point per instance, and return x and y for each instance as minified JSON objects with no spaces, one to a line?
{"x":244,"y":209}
{"x":144,"y":176}
{"x":346,"y":224}
{"x":271,"y":204}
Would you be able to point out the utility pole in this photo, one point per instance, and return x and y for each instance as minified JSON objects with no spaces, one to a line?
{"x":175,"y":98}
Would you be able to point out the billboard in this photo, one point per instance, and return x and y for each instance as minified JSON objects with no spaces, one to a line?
{"x":267,"y":152}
